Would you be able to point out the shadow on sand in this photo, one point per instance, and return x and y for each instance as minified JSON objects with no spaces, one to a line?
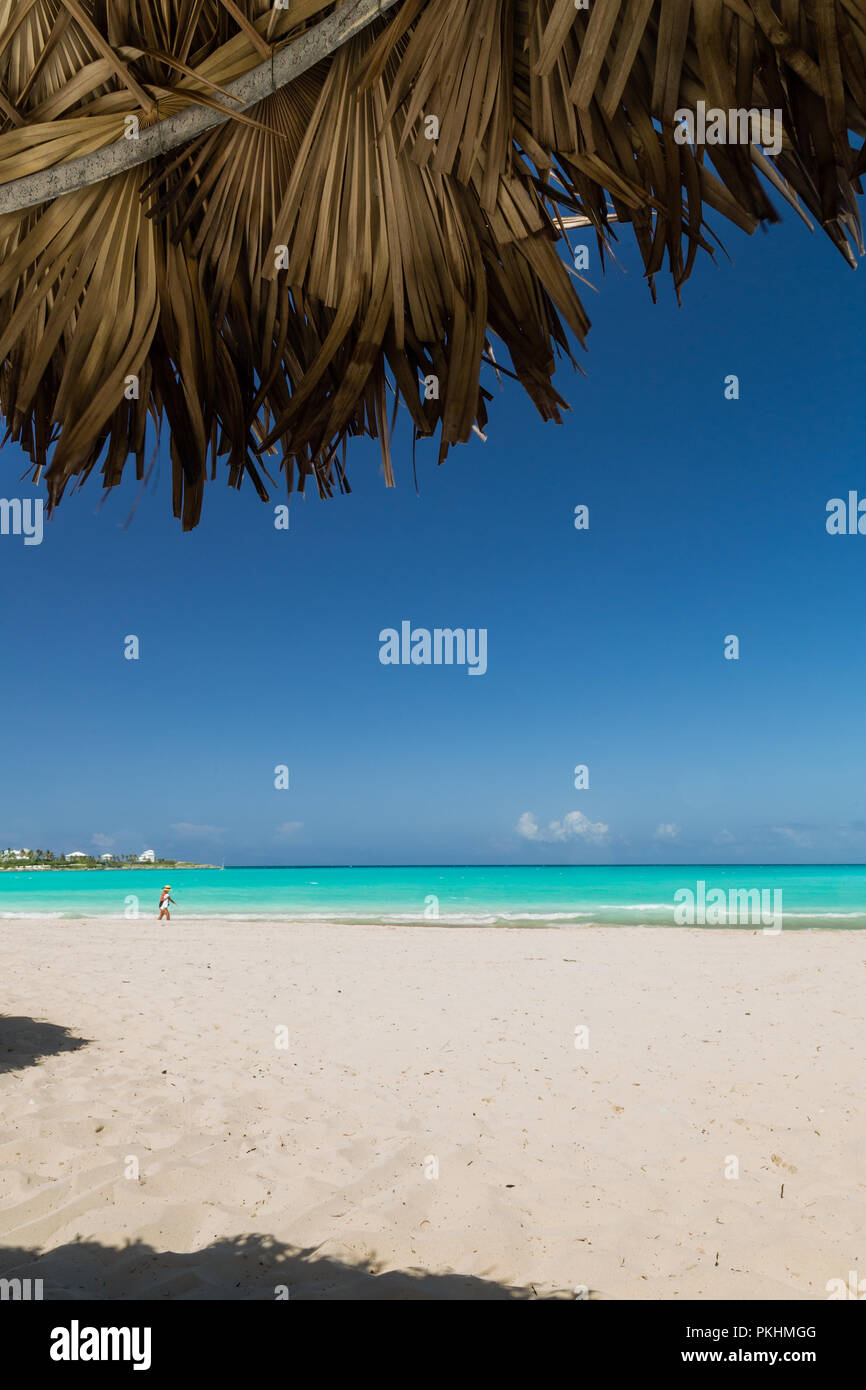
{"x":250,"y":1267}
{"x":25,"y":1041}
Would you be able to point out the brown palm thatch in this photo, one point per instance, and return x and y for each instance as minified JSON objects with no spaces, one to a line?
{"x":238,"y":216}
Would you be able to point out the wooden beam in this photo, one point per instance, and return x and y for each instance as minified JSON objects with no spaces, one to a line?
{"x":260,"y":82}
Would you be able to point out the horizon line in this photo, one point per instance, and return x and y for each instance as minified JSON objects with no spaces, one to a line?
{"x":636,"y":864}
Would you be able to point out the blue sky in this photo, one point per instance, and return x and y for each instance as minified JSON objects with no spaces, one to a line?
{"x":605,"y":647}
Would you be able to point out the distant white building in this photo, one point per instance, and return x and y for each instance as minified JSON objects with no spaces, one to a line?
{"x":106,"y":856}
{"x":76,"y":854}
{"x":147,"y":858}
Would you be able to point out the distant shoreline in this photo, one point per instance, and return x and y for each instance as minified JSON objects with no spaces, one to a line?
{"x":88,"y":868}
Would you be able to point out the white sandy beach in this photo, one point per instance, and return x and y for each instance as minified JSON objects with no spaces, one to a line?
{"x":558,"y":1168}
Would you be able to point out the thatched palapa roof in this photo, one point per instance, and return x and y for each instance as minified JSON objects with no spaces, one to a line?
{"x":141,"y":269}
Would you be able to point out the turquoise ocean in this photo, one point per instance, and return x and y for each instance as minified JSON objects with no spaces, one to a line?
{"x":450,"y":895}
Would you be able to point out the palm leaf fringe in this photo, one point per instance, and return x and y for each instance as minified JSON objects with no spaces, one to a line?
{"x":264,"y":287}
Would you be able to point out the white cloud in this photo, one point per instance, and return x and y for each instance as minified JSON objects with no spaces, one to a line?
{"x":104,"y":841}
{"x":527,"y":826}
{"x":788,"y":832}
{"x":574,"y":825}
{"x":288,"y":827}
{"x":668,"y":830}
{"x":724,"y":837}
{"x":202,"y":832}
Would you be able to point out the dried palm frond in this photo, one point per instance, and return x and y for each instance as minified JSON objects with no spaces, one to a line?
{"x":254,"y":222}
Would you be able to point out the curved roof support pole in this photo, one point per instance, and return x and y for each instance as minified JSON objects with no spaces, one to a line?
{"x":278,"y":70}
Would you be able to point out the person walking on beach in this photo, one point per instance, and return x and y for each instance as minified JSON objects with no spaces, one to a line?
{"x":165,"y":901}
